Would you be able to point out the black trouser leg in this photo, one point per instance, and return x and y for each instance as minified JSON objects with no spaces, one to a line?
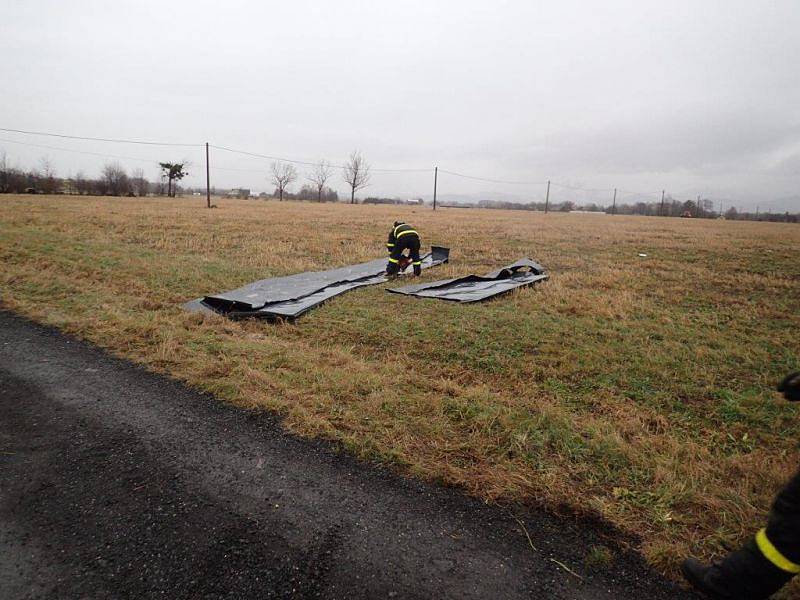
{"x":393,"y":266}
{"x":746,"y":575}
{"x":415,"y":260}
{"x":783,"y":527}
{"x":765,"y":563}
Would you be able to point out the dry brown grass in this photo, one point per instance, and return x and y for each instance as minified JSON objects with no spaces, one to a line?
{"x":637,"y":389}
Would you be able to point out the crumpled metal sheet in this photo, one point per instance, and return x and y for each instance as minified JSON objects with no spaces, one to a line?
{"x":474,"y":288}
{"x":291,"y":296}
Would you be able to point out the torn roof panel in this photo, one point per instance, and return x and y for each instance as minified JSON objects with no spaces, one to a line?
{"x":258,"y":294}
{"x":291,"y":296}
{"x":474,"y":288}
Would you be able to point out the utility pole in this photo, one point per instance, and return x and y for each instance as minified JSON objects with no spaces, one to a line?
{"x":435,"y":182}
{"x":208,"y":180}
{"x":757,"y":207}
{"x":662,"y":203}
{"x":614,"y":205}
{"x":547,"y":198}
{"x":699,"y":210}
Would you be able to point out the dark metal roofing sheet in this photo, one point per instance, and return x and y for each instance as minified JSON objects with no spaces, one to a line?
{"x":474,"y":288}
{"x":291,"y":296}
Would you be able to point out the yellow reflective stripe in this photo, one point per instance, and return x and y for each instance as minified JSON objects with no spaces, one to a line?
{"x":402,"y":233}
{"x":390,"y":245}
{"x":393,"y":260}
{"x":394,"y":231}
{"x":417,"y":262}
{"x":774,"y":555}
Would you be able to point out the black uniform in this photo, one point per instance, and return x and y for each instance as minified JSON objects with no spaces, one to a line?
{"x":402,"y":237}
{"x":769,"y":559}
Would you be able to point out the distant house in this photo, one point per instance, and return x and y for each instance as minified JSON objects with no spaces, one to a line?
{"x":378,"y":200}
{"x":242,"y":193}
{"x":68,"y":187}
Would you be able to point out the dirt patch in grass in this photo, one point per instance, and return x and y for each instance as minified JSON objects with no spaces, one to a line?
{"x":636,"y":389}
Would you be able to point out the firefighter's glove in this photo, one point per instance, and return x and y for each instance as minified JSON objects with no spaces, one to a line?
{"x":790,"y":386}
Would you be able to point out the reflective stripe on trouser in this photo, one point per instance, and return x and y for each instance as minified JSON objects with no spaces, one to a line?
{"x":767,"y":561}
{"x":773,"y":555}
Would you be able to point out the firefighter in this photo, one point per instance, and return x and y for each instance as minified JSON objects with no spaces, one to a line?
{"x":768,"y":560}
{"x":402,"y":237}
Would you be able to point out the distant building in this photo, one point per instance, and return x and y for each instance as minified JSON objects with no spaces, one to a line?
{"x":399,"y":201}
{"x":238,"y":193}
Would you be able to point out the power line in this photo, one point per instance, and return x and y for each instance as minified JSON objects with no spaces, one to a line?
{"x":492,"y":180}
{"x":265,"y":156}
{"x":572,"y":187}
{"x":627,"y":193}
{"x":96,"y":139}
{"x":313,"y":164}
{"x":134,"y":158}
{"x":554,"y":183}
{"x":152,"y":143}
{"x":147,"y":160}
{"x":216,"y":168}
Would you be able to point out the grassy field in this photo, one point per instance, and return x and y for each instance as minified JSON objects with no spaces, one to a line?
{"x":636,"y":389}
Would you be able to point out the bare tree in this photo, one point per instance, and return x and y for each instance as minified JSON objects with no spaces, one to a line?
{"x":356,"y":174}
{"x":172,"y":172}
{"x":68,"y":185}
{"x":47,"y":175}
{"x":320,"y":175}
{"x":283,"y":174}
{"x":5,"y":174}
{"x":140,"y":184}
{"x":115,"y":179}
{"x":12,"y":179}
{"x":82,"y":185}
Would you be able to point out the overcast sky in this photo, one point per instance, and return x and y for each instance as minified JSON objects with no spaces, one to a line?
{"x":698,"y":97}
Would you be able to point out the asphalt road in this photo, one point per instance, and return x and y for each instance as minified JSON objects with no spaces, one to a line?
{"x":118,"y":483}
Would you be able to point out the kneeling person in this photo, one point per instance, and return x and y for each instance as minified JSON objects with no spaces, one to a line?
{"x":403,"y":237}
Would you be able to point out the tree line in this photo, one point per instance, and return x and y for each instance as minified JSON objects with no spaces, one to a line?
{"x":308,"y":192}
{"x":113,"y":180}
{"x":704,"y":209}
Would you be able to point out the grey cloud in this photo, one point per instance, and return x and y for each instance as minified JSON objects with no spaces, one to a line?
{"x":697,"y":142}
{"x":700,"y":97}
